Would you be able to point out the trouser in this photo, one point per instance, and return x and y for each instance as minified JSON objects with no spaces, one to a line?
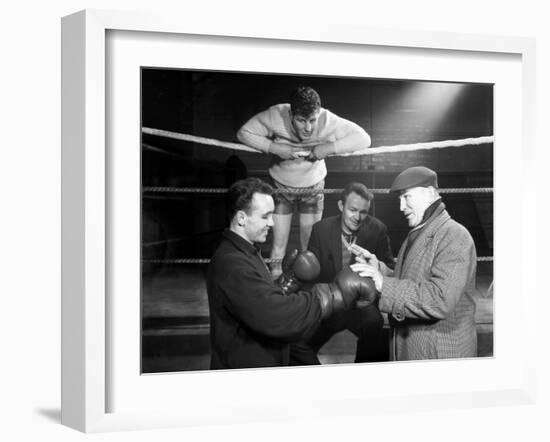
{"x":366,"y":323}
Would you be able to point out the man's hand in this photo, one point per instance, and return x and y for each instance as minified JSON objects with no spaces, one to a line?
{"x":321,"y":151}
{"x":368,"y":271}
{"x":287,"y":151}
{"x":364,"y":256}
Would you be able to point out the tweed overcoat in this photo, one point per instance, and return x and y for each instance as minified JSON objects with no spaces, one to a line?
{"x":429,"y":296}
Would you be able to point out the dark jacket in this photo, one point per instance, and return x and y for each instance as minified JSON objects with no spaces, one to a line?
{"x":326,"y":243}
{"x":251,"y":321}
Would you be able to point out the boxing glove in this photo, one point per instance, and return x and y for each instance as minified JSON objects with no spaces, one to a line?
{"x":347,"y":289}
{"x":298,"y":268}
{"x":356,"y":288}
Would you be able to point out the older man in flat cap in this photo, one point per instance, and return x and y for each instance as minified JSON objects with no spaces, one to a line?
{"x":428,"y":297}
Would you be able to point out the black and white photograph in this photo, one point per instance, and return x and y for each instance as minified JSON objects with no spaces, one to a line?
{"x":304,"y":220}
{"x":234,"y":221}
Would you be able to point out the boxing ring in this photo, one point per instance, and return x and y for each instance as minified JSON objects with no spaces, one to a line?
{"x":398,"y":148}
{"x":177,"y":319}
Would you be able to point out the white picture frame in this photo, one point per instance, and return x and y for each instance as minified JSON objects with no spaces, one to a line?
{"x":89,"y":173}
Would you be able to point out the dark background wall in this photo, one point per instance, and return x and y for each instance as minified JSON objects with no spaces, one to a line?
{"x":216,"y":104}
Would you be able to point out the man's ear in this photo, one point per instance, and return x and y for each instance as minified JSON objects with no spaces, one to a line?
{"x":340,"y":205}
{"x":433,"y":193}
{"x":241,"y":218}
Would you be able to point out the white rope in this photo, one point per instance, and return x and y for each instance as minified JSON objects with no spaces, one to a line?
{"x":195,"y":139}
{"x":367,"y":151}
{"x":153,"y":189}
{"x":266,"y":260}
{"x":430,"y":145}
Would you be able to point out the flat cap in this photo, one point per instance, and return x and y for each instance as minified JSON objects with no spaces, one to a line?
{"x":418,"y":176}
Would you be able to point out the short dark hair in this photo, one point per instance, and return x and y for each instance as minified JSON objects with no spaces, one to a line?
{"x":240,"y":194}
{"x":305,"y":101}
{"x":359,"y":189}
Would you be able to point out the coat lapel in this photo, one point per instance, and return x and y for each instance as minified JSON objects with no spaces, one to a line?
{"x":425,"y":236}
{"x":336,"y":244}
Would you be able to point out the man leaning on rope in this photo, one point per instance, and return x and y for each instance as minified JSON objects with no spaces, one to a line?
{"x":299,"y":135}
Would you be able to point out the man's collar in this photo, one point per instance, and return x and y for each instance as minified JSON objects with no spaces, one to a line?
{"x":240,"y":242}
{"x":431,"y":212}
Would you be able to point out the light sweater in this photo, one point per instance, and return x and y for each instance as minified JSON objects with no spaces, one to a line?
{"x":275,"y":125}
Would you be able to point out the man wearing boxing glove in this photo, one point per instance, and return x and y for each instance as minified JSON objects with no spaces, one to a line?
{"x":429,"y":295}
{"x":252,"y":320}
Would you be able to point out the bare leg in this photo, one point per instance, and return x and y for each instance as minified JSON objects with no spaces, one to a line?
{"x":306,"y":223}
{"x":281,"y":231}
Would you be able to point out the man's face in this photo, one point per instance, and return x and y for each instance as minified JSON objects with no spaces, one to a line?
{"x":305,"y":126}
{"x":259,"y":218}
{"x":413,"y":203}
{"x":354,"y":211}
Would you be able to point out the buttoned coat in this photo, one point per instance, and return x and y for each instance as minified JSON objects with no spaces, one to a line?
{"x":252,"y":322}
{"x":429,"y":296}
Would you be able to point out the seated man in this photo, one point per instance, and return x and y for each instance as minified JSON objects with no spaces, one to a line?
{"x":334,"y":241}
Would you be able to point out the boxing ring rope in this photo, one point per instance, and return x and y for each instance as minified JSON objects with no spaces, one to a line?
{"x":152,"y":189}
{"x":367,"y":151}
{"x":266,"y":260}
